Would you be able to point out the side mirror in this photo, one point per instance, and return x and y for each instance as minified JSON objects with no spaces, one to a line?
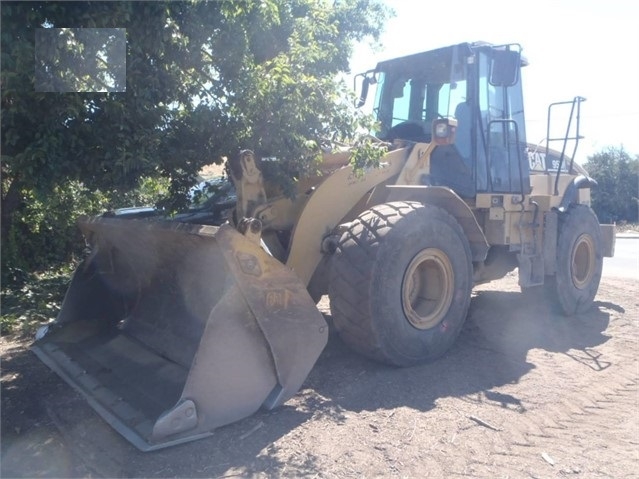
{"x":368,"y":79}
{"x":504,"y":67}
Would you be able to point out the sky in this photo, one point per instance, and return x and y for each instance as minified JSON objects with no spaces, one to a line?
{"x":587,"y":48}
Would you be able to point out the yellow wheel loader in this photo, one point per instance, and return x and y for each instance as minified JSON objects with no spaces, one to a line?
{"x":172,"y":329}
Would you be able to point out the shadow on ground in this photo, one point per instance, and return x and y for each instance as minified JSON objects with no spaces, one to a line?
{"x":491,"y":351}
{"x":49,"y":431}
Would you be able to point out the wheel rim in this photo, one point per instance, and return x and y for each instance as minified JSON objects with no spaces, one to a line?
{"x":583,"y":261}
{"x":427,"y":288}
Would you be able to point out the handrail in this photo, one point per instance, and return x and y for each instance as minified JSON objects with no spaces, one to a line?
{"x":575,"y":107}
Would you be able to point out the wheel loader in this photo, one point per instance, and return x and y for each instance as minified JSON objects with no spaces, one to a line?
{"x":172,"y":329}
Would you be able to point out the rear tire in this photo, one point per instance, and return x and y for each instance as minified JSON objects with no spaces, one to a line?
{"x":400,"y":283}
{"x":579,"y":260}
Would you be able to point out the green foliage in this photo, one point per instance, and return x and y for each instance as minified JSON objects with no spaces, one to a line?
{"x":367,"y":153}
{"x":616,"y":198}
{"x":204,"y":79}
{"x":33,"y":299}
{"x":84,"y":59}
{"x":44,"y":231}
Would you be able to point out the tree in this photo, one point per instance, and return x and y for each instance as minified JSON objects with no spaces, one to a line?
{"x":80,"y":59}
{"x":203,"y":80}
{"x":616,"y":197}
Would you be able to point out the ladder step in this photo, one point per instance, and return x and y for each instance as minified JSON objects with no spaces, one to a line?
{"x":531,"y":270}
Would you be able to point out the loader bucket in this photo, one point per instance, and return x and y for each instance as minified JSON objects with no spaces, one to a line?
{"x":171,"y":330}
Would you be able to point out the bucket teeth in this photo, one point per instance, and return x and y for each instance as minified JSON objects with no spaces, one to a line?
{"x":182,"y":417}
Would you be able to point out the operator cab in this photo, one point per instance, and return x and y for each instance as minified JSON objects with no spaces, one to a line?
{"x":478,"y":85}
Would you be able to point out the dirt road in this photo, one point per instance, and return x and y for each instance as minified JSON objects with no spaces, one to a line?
{"x":523,"y":393}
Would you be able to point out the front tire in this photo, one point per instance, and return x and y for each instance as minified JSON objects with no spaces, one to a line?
{"x":400,"y":283}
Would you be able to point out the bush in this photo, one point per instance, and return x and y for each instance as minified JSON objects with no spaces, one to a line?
{"x":33,"y":299}
{"x":44,"y":232}
{"x":616,"y":197}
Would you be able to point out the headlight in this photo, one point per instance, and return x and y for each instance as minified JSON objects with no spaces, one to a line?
{"x":444,"y":131}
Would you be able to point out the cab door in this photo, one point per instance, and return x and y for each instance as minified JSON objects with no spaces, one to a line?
{"x":502,"y":165}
